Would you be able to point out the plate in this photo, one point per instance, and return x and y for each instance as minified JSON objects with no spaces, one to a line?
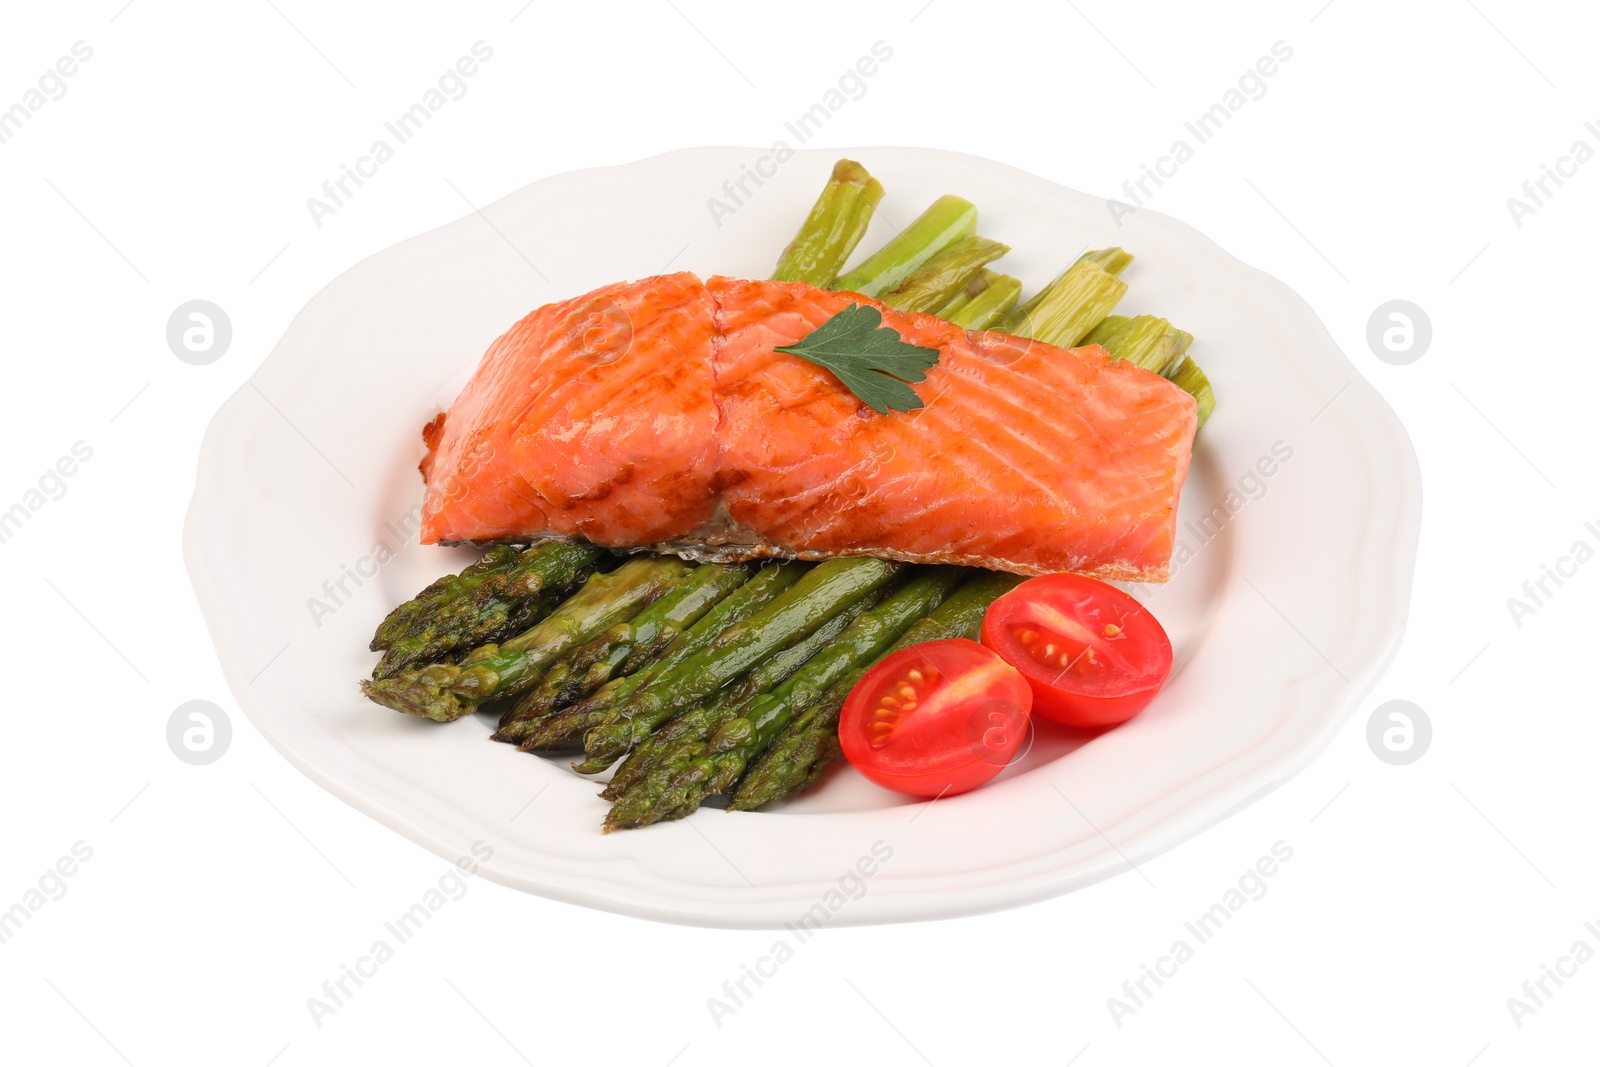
{"x":1297,"y":539}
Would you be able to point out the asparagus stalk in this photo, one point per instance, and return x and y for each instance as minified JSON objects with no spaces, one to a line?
{"x":980,"y":281}
{"x":1068,"y":308}
{"x":1112,"y":260}
{"x":948,"y":220}
{"x":835,"y":226}
{"x":825,"y":591}
{"x":698,"y":722}
{"x":771,"y":579}
{"x":466,"y":625}
{"x":1110,"y":328}
{"x":695,"y":769}
{"x":988,"y":308}
{"x":1193,"y":380}
{"x":403,"y":619}
{"x":445,"y":692}
{"x":936,"y":282}
{"x":1144,"y":340}
{"x":712,"y":584}
{"x":586,"y":668}
{"x":810,"y":743}
{"x":482,"y":605}
{"x":573,"y":722}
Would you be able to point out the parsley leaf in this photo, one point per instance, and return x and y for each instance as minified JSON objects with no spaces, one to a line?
{"x":868,"y":357}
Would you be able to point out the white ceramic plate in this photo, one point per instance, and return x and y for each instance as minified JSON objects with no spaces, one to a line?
{"x":1299,"y":532}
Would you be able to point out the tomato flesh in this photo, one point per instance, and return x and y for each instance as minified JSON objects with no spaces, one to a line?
{"x":1093,"y":655}
{"x":935,"y":719}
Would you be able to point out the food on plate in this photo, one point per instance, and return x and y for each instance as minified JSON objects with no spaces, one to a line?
{"x":943,"y":277}
{"x":983,"y":302}
{"x":446,"y":691}
{"x":823,"y":593}
{"x":799,"y":755}
{"x":1093,"y":654}
{"x":625,"y":647}
{"x":560,"y":725}
{"x":687,"y":771}
{"x":499,"y":596}
{"x":689,"y":431}
{"x":739,"y":528}
{"x":948,"y":220}
{"x":1188,"y":376}
{"x":935,"y":719}
{"x":699,"y":721}
{"x":835,"y":226}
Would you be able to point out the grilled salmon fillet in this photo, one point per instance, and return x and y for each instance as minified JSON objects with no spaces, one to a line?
{"x":655,"y":414}
{"x":591,"y":418}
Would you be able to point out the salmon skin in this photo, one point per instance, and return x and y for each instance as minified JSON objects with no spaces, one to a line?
{"x":656,"y":415}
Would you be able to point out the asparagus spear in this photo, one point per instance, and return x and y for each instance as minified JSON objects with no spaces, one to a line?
{"x":585,"y":669}
{"x":824,"y":591}
{"x":948,"y":220}
{"x":401,"y":620}
{"x":980,"y":281}
{"x":811,"y":742}
{"x":573,"y":722}
{"x":1112,"y":260}
{"x":445,"y":692}
{"x":988,"y":308}
{"x":465,"y":625}
{"x":1110,"y":328}
{"x":835,"y":226}
{"x":502,"y":570}
{"x":695,"y":769}
{"x":1144,"y":340}
{"x":698,"y":722}
{"x":1069,"y":307}
{"x":483,"y":604}
{"x":1193,"y":380}
{"x":936,"y":282}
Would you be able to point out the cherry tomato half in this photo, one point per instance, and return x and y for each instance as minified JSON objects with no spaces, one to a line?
{"x":936,"y":718}
{"x":1093,"y":654}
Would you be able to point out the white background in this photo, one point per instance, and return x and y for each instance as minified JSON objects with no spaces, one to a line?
{"x":219,"y":898}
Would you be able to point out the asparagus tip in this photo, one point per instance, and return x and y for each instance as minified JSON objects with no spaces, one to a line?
{"x":412,"y":698}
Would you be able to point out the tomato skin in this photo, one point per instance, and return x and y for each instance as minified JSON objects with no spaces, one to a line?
{"x":1113,"y":654}
{"x":965,"y":718}
{"x":1075,"y":709}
